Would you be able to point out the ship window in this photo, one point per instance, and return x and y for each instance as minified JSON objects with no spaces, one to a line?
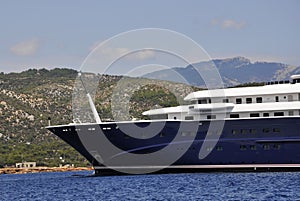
{"x":252,"y":147}
{"x":184,"y":133}
{"x":290,"y":98}
{"x":278,"y":114}
{"x":159,"y":116}
{"x":225,"y":100}
{"x":276,"y":146}
{"x":243,"y":131}
{"x":291,"y":113}
{"x":234,"y":131}
{"x":219,"y":148}
{"x":194,"y":102}
{"x":266,"y":114}
{"x":204,"y":101}
{"x":254,"y":114}
{"x":175,"y":118}
{"x":211,"y":117}
{"x":162,"y":134}
{"x":276,"y":130}
{"x":189,"y":118}
{"x":276,"y":98}
{"x":209,"y":100}
{"x":266,"y":147}
{"x":238,"y":101}
{"x":234,"y":115}
{"x":243,"y":147}
{"x":248,"y":100}
{"x":259,"y":99}
{"x":208,"y":149}
{"x":253,"y":131}
{"x":266,"y":130}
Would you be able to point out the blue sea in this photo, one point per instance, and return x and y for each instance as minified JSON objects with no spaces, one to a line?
{"x":196,"y":186}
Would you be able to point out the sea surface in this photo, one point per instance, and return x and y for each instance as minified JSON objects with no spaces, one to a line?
{"x":196,"y":186}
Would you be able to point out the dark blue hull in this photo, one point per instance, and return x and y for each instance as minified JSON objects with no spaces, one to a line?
{"x":244,"y":142}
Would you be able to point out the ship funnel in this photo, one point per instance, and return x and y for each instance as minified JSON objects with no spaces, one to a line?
{"x":91,"y":102}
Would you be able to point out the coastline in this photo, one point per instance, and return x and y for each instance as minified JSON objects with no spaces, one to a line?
{"x":41,"y":169}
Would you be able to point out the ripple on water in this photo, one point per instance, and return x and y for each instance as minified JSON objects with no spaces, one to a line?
{"x":200,"y":186}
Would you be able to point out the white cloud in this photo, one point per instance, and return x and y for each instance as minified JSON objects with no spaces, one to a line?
{"x":25,"y":48}
{"x":228,"y":24}
{"x":113,"y":52}
{"x":142,"y":54}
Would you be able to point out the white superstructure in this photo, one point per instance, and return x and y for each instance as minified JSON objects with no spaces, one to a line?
{"x":277,"y":99}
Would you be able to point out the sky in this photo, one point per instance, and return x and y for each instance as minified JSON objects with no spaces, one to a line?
{"x":48,"y":34}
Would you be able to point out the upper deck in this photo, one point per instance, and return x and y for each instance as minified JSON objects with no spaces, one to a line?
{"x":266,"y":90}
{"x":275,"y":99}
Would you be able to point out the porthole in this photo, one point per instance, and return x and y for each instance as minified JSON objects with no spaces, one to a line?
{"x":162,"y":134}
{"x":276,"y":146}
{"x":234,"y":116}
{"x":276,"y":114}
{"x":243,"y":147}
{"x":208,"y":149}
{"x":219,"y":148}
{"x":266,"y":130}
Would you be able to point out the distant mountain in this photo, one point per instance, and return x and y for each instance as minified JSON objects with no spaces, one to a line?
{"x":233,"y":71}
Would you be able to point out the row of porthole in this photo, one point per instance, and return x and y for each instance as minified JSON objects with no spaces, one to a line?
{"x":163,"y":134}
{"x":264,"y":146}
{"x":89,"y":129}
{"x":93,"y":129}
{"x":252,"y":147}
{"x":254,"y":131}
{"x":189,"y":133}
{"x":243,"y":147}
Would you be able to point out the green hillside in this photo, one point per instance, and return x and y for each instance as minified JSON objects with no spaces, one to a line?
{"x":29,"y":98}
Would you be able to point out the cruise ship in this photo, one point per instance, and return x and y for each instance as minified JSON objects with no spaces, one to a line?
{"x":233,"y":129}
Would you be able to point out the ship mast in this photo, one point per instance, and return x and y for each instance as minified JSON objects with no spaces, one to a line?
{"x":91,"y":103}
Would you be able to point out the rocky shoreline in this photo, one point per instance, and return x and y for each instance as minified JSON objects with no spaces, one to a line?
{"x":41,"y":169}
